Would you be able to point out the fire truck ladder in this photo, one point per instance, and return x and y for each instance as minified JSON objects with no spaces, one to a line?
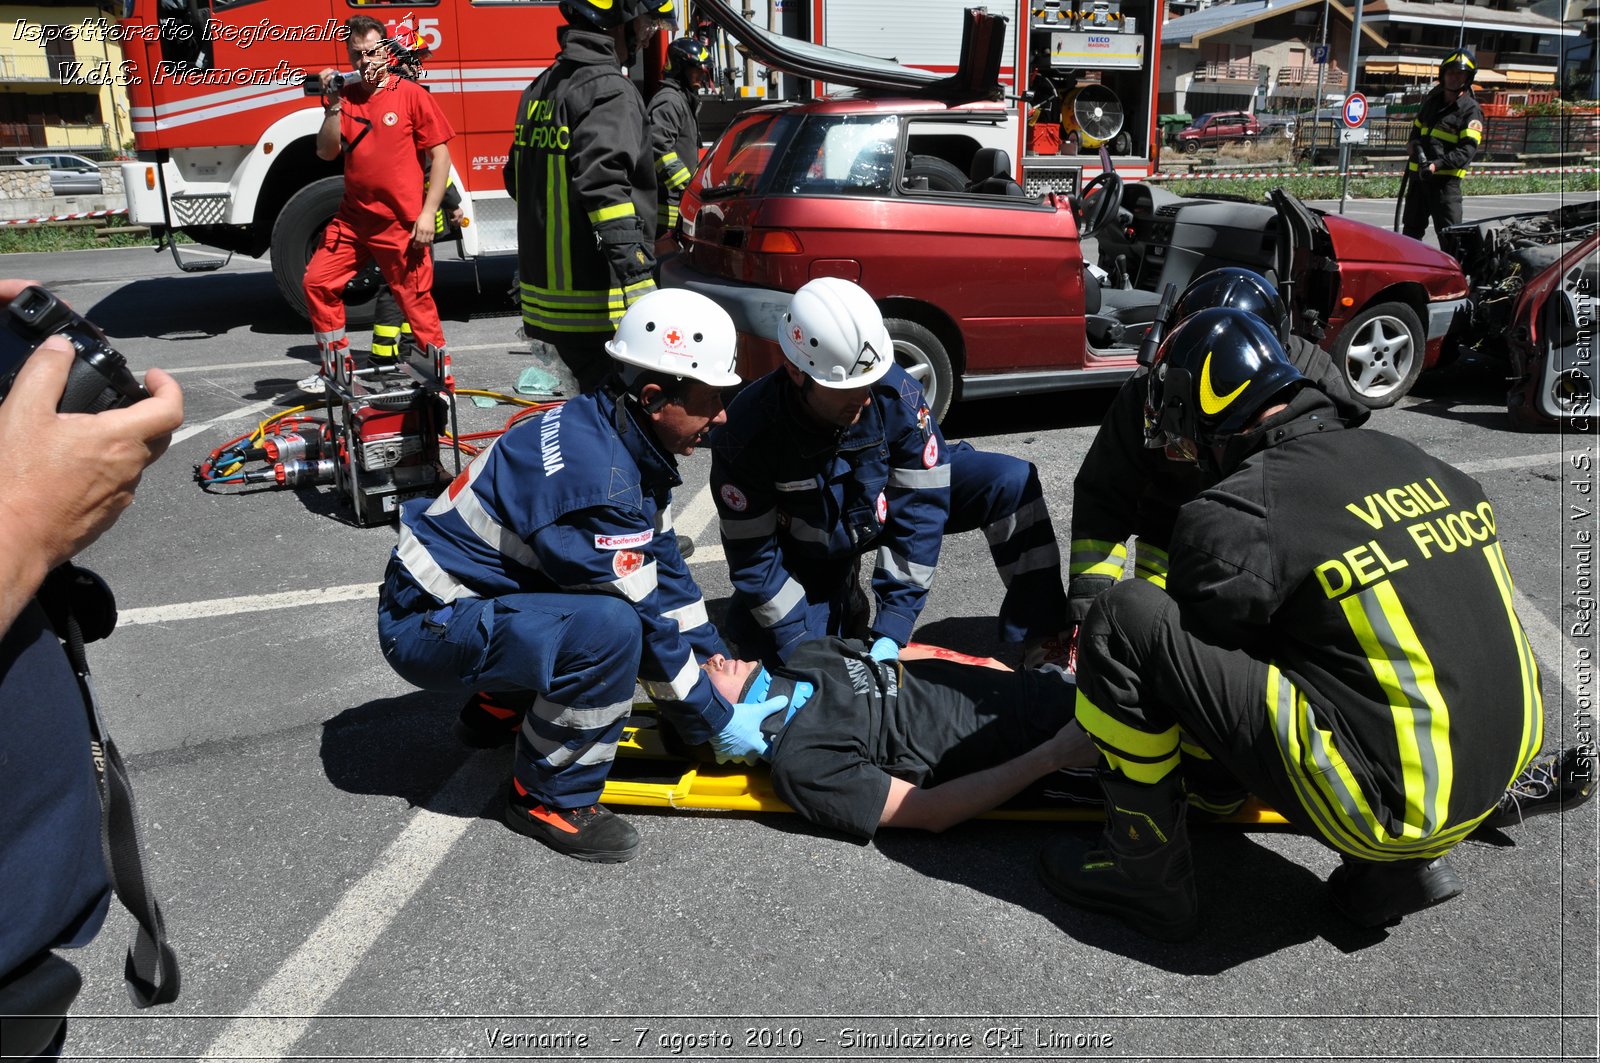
{"x":202,"y":259}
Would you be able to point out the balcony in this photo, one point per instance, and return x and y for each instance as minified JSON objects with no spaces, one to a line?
{"x":1236,"y":70}
{"x":36,"y":69}
{"x":1290,"y":77}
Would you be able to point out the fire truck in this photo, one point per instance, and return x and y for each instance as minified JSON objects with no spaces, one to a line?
{"x":226,"y":134}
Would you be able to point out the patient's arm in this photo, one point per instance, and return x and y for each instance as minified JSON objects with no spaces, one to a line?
{"x":958,"y":800}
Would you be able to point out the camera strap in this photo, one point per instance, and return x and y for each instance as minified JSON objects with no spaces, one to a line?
{"x":151,"y":969}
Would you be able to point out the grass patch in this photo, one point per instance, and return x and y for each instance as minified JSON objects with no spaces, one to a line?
{"x":16,"y":239}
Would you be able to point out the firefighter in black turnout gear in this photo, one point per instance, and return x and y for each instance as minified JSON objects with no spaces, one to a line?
{"x":1310,"y":639}
{"x":1445,"y":136}
{"x":1126,"y":488}
{"x":674,"y":131}
{"x":581,"y":173}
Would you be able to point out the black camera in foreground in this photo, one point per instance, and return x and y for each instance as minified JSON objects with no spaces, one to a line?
{"x":99,"y":380}
{"x":313,"y":82}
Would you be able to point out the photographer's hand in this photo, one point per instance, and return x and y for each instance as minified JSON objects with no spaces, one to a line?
{"x":68,"y":476}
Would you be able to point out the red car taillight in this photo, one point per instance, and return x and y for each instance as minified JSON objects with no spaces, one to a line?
{"x":775,"y":242}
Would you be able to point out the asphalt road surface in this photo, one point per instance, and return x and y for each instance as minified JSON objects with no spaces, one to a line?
{"x":336,"y":878}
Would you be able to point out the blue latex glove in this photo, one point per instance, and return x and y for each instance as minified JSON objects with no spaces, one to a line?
{"x":885,"y":649}
{"x":741,"y":741}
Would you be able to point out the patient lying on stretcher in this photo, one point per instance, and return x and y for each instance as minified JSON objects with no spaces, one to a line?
{"x":859,"y":743}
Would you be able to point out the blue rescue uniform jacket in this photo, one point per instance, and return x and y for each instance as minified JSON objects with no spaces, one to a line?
{"x":577,"y":500}
{"x":788,"y":492}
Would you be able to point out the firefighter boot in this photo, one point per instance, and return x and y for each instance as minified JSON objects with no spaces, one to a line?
{"x":1140,"y":871}
{"x":1376,"y":894}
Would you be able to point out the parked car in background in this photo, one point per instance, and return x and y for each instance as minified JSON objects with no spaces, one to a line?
{"x":1218,"y":127}
{"x":1277,"y":125}
{"x":70,"y":175}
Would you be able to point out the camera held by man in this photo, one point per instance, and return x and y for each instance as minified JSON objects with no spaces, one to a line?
{"x":78,"y":431}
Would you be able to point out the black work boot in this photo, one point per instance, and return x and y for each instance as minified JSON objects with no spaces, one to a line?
{"x":1381,"y":894}
{"x":593,"y":832}
{"x":1140,"y":871}
{"x":1552,"y":782}
{"x":491,"y":719}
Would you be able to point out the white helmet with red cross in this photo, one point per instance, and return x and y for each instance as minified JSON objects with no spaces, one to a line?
{"x":680,"y":333}
{"x":834,"y":333}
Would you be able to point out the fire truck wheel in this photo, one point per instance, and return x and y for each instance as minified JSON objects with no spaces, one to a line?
{"x":295,"y":237}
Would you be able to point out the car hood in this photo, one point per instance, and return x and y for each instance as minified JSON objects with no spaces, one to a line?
{"x":1355,"y":241}
{"x":977,"y":76}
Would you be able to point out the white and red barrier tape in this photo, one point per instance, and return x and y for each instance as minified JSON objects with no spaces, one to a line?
{"x":1170,"y":176}
{"x":66,"y":217}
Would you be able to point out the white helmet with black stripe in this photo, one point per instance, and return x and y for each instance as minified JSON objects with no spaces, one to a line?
{"x":834,"y":333}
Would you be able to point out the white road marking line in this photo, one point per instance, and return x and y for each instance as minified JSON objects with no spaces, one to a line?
{"x":232,"y":415}
{"x":1551,"y":649}
{"x":252,"y":603}
{"x":306,"y":981}
{"x":1526,"y":461}
{"x":695,"y":517}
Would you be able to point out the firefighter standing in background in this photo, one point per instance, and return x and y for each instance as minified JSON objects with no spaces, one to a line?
{"x":1310,"y":639}
{"x":835,"y":454}
{"x":382,"y":127}
{"x":550,"y":570}
{"x":1445,"y":136}
{"x":674,"y":133}
{"x":581,"y":173}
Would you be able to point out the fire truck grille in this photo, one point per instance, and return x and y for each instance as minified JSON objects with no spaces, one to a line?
{"x":200,"y":210}
{"x":1037,"y":180}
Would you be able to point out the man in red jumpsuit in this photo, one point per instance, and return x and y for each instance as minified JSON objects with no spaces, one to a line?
{"x":379,"y":125}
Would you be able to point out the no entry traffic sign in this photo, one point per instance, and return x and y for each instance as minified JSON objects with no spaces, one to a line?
{"x":1355,"y":109}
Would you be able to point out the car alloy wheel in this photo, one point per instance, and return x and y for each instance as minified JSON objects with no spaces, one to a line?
{"x":1381,"y":352}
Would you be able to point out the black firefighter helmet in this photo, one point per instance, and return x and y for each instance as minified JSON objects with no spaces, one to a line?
{"x":1461,"y":59}
{"x":1241,"y":289}
{"x":605,"y":14}
{"x":1213,"y":375}
{"x":684,"y":55}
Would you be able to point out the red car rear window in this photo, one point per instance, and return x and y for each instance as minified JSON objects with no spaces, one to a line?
{"x":741,"y":156}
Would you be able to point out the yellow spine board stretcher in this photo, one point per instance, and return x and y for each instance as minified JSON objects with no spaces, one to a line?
{"x":647,"y":774}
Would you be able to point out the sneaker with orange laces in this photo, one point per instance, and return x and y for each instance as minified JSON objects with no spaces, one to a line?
{"x":593,"y":832}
